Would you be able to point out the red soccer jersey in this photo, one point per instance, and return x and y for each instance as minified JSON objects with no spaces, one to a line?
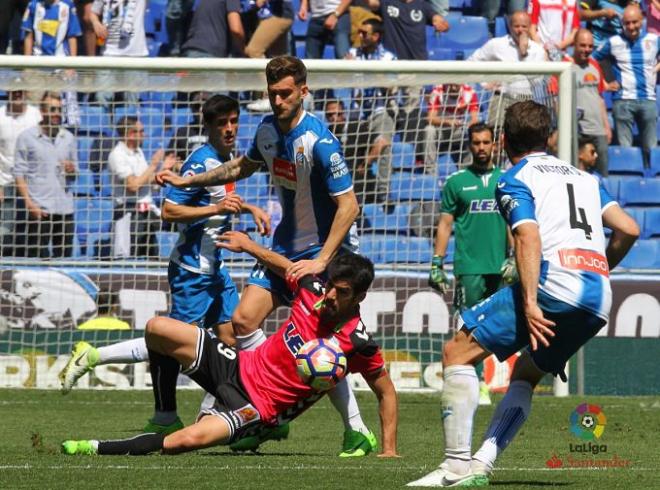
{"x":457,"y":105}
{"x":269,"y":373}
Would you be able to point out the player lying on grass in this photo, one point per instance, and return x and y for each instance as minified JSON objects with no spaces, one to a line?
{"x":261,"y":388}
{"x":556,"y":213}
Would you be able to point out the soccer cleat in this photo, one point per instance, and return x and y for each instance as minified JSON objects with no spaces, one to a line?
{"x":356,"y":444}
{"x":87,"y":448}
{"x":252,"y":443}
{"x":83,"y":359}
{"x":162,"y":429}
{"x":445,"y":478}
{"x":484,"y":394}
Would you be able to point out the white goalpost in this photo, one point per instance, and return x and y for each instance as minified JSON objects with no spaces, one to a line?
{"x":46,"y":295}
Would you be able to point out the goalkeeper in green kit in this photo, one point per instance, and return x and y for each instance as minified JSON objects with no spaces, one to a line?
{"x":481,"y":261}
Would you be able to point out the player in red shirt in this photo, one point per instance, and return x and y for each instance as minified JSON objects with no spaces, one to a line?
{"x":261,"y":388}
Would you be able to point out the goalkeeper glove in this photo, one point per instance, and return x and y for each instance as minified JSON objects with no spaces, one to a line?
{"x":438,"y":279}
{"x":509,"y":271}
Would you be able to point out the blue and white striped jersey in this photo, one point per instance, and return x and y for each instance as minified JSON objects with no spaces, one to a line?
{"x":195,"y":250}
{"x":633,"y":64}
{"x":567,"y":204}
{"x":308,"y":169}
{"x":52,"y":24}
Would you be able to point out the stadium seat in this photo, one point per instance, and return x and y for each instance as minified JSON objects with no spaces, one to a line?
{"x":446,"y":166}
{"x":500,"y":27}
{"x":403,"y":156}
{"x":625,"y":161}
{"x":611,"y":185}
{"x":640,"y":192}
{"x":154,"y":47}
{"x":181,"y":116}
{"x":94,"y":120}
{"x":84,"y":145}
{"x":441,"y":54}
{"x":84,"y":185}
{"x":456,"y":4}
{"x":655,"y":162}
{"x":377,"y":218}
{"x":93,"y":222}
{"x":652,"y":223}
{"x":407,"y":250}
{"x":465,"y":33}
{"x":166,"y":241}
{"x":406,"y":187}
{"x":371,"y":246}
{"x":642,"y":255}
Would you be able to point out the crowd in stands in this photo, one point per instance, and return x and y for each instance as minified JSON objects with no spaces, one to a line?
{"x":391,"y":139}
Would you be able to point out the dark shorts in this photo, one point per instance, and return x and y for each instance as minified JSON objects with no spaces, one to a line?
{"x":472,"y":288}
{"x":498,"y":324}
{"x":216,"y":370}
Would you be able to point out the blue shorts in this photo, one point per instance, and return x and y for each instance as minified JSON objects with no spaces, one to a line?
{"x":498,"y":324}
{"x":203,"y":299}
{"x":265,"y":278}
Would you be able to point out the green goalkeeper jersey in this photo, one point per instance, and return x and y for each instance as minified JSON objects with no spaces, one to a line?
{"x":479,"y":230}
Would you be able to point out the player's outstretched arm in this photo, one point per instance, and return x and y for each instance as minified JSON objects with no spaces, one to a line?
{"x":528,"y":260}
{"x":347,"y":210}
{"x":625,"y":231}
{"x":388,"y":409}
{"x":179,"y":213}
{"x":231,"y":171}
{"x":239,"y":242}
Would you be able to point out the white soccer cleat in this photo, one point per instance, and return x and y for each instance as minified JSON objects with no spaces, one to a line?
{"x":83,"y":359}
{"x":445,"y":478}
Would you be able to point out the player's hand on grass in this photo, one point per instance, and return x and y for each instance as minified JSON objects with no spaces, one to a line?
{"x":168,"y":177}
{"x":438,"y":279}
{"x":304,"y":268}
{"x":539,"y":327}
{"x":234,"y":241}
{"x":231,"y":204}
{"x":261,"y":219}
{"x":509,"y":271}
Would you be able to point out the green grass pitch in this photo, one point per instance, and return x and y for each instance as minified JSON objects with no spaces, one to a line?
{"x":35,"y":422}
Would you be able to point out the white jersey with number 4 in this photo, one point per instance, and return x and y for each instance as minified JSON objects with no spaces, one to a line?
{"x":567,"y":204}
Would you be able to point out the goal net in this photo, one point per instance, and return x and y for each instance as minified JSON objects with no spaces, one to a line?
{"x":93,"y":265}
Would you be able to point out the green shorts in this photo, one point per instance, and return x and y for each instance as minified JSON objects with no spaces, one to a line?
{"x":472,"y":288}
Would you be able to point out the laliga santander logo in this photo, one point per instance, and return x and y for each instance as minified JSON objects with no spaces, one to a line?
{"x":588,"y":422}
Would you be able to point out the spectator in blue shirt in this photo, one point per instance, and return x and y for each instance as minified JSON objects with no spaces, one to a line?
{"x":50,"y":28}
{"x":633,"y":55}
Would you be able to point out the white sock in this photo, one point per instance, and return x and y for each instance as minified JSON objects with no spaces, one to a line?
{"x":250,"y":341}
{"x":460,"y":398}
{"x":130,"y":351}
{"x":508,"y":418}
{"x":207,"y":402}
{"x":344,"y":401}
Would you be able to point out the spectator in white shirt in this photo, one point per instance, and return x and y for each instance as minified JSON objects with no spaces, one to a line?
{"x":137,"y":218}
{"x":514,"y":47}
{"x":15,"y":117}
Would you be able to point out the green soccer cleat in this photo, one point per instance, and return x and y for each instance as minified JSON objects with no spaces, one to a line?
{"x":162,"y":429}
{"x":252,"y":443}
{"x":356,"y":444}
{"x":87,"y":448}
{"x":484,"y":395}
{"x":83,"y":359}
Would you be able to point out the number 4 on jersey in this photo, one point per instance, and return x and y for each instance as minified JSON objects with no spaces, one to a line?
{"x":581,"y":223}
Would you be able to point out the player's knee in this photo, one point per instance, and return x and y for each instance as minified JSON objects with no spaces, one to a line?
{"x":155,"y":329}
{"x":243,"y":323}
{"x":526,"y":370}
{"x":182,"y":441}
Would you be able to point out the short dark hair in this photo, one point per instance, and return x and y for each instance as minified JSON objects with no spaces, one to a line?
{"x":376,"y":26}
{"x":125,"y":123}
{"x":526,"y":127}
{"x":217,"y":105}
{"x":584,"y":141}
{"x":339,"y":102}
{"x":286,"y":66}
{"x":48,"y":95}
{"x":356,"y":269}
{"x":480,"y":127}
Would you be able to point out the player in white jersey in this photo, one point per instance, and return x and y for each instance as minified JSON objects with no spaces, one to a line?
{"x":315,"y":189}
{"x":556,"y":213}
